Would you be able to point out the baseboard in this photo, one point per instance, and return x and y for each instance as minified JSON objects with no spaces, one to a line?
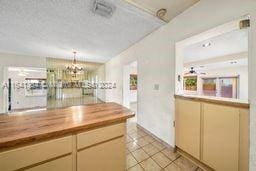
{"x":157,"y":138}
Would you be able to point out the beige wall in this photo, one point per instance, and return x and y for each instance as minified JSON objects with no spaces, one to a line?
{"x":156,"y":61}
{"x":7,"y":60}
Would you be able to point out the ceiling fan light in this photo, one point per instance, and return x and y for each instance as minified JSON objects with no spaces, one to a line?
{"x":207,"y":44}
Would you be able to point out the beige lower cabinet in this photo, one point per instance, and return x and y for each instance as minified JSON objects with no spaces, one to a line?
{"x":30,"y":155}
{"x":108,"y":156}
{"x":220,"y":137}
{"x":61,"y":164}
{"x":214,"y":134}
{"x":244,"y":140}
{"x":101,"y":149}
{"x":188,"y":127}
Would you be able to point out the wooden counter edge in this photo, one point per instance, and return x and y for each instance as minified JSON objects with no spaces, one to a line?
{"x":60,"y":133}
{"x":214,"y":101}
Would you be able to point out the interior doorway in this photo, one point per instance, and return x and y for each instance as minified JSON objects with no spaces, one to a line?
{"x":130,"y":89}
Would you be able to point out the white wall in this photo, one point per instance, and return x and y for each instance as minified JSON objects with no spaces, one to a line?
{"x":156,"y":61}
{"x":7,"y":60}
{"x":100,"y":73}
{"x":252,"y":90}
{"x":133,"y":96}
{"x":19,"y":98}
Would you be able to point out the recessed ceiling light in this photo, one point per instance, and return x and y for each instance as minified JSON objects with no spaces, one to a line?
{"x":201,"y":66}
{"x":233,"y":62}
{"x":207,"y":44}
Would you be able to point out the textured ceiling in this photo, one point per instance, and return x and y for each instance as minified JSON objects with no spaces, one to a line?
{"x":218,"y":65}
{"x":55,"y":28}
{"x":173,"y":7}
{"x":226,"y":44}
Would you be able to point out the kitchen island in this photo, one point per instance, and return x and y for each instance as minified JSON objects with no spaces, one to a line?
{"x":89,"y":137}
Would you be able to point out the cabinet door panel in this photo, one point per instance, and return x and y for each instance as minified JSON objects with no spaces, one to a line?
{"x":220,"y":137}
{"x":25,"y":156}
{"x":244,"y":140}
{"x":62,"y":164}
{"x":108,"y":156}
{"x":188,"y":126}
{"x":89,"y":138}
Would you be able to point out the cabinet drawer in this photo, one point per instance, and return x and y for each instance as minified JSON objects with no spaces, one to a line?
{"x":29,"y":155}
{"x":62,"y":164}
{"x":95,"y":136}
{"x":108,"y":156}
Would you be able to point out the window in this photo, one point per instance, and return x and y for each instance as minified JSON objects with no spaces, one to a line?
{"x":190,"y":83}
{"x":220,"y":86}
{"x":228,"y":87}
{"x":209,"y":87}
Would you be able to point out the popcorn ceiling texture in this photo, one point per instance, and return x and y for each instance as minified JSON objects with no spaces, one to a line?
{"x":54,"y":28}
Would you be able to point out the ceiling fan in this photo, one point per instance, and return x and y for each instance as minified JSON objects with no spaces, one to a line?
{"x":193,"y":72}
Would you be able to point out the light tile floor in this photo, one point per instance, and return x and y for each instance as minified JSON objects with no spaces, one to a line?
{"x":145,"y":153}
{"x":86,"y":99}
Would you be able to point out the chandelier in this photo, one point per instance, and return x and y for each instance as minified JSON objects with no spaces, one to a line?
{"x":74,"y":68}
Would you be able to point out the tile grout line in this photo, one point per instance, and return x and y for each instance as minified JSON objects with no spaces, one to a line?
{"x":149,"y":143}
{"x":141,"y":147}
{"x":173,"y":162}
{"x":150,"y":156}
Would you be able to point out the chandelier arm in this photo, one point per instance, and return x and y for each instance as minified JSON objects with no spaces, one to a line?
{"x":74,"y":68}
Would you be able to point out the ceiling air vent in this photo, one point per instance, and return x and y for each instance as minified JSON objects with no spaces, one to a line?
{"x":103,"y":8}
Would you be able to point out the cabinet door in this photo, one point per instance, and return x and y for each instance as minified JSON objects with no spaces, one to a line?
{"x":25,"y":156}
{"x":220,"y":137}
{"x":107,"y":156}
{"x":188,"y":126}
{"x":244,"y":140}
{"x":61,"y":164}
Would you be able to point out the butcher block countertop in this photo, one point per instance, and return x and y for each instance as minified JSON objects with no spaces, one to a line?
{"x":33,"y":126}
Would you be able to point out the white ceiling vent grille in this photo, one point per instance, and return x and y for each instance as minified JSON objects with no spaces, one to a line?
{"x":103,"y":8}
